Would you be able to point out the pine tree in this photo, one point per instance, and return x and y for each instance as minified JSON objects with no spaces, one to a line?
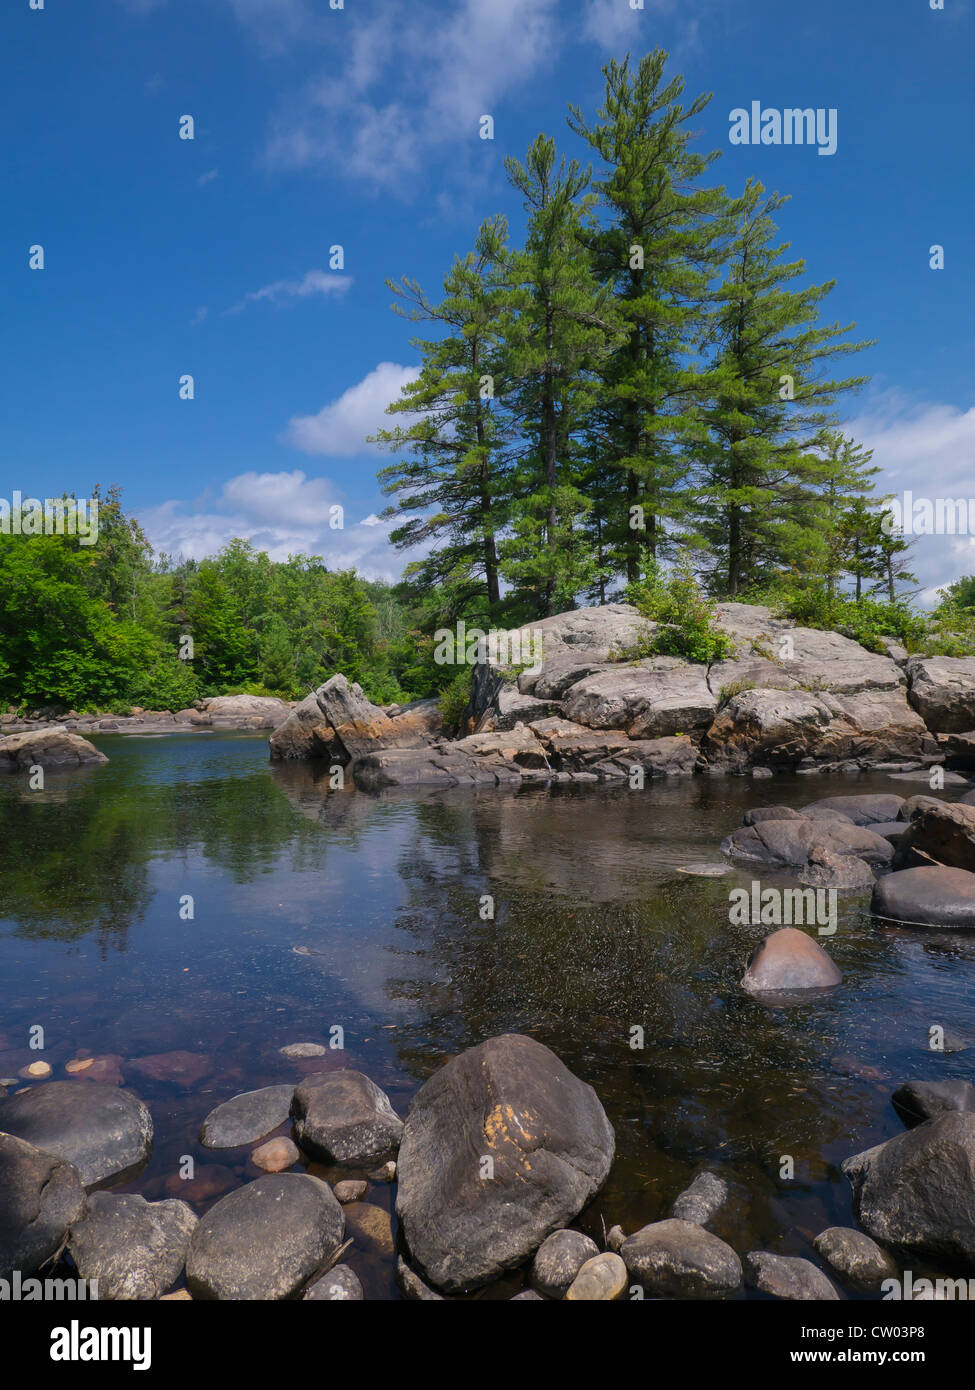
{"x":657,"y":254}
{"x":892,"y":564}
{"x":564,"y":327}
{"x":452,"y":482}
{"x":770,"y":403}
{"x":841,"y":474}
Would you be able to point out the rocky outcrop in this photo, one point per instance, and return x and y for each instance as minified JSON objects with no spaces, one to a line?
{"x":501,"y":1146}
{"x":942,"y":690}
{"x":790,"y":843}
{"x":245,"y":711}
{"x":340,"y":724}
{"x":51,"y":747}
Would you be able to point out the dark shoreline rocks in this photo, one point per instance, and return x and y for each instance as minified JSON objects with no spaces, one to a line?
{"x":41,"y":1195}
{"x":343,"y":1117}
{"x":134,"y":1249}
{"x":106,"y":1132}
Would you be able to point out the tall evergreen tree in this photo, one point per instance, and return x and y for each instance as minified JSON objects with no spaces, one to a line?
{"x":657,"y":253}
{"x":452,"y":481}
{"x":770,"y":403}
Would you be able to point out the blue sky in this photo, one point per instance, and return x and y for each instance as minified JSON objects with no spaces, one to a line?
{"x":359,"y":127}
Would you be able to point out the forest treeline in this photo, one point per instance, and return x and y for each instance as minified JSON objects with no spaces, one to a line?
{"x":637,"y":400}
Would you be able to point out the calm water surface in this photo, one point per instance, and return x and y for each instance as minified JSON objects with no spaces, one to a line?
{"x":315,"y":909}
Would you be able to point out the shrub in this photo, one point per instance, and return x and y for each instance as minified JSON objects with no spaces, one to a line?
{"x":686,"y":617}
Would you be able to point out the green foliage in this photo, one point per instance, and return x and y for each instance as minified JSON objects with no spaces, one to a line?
{"x":454,"y":698}
{"x":675,"y":600}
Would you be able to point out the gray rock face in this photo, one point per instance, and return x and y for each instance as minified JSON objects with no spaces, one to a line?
{"x":787,"y":1276}
{"x":304,"y":733}
{"x":40,"y":1196}
{"x":558,"y":1260}
{"x":246,"y":711}
{"x":702,"y":1201}
{"x":52,"y":747}
{"x":343,"y":1117}
{"x":942,"y":690}
{"x":509,"y":1107}
{"x":916,"y":1192}
{"x":339,"y":1285}
{"x":854,"y":1258}
{"x":679,"y":1259}
{"x":246,"y":1117}
{"x":659,"y":697}
{"x":789,"y":843}
{"x":917,"y":1101}
{"x":104,"y":1131}
{"x":134,"y":1248}
{"x":926,"y":897}
{"x":340,"y":724}
{"x":265,"y":1240}
{"x":789,"y":961}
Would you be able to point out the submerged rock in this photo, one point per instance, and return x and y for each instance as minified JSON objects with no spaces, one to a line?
{"x":680,"y":1259}
{"x":40,"y":1196}
{"x":559,"y":1259}
{"x":789,"y":961}
{"x":501,"y":1146}
{"x":265,"y":1240}
{"x":854,"y":1258}
{"x":787,"y":1276}
{"x":275,"y":1156}
{"x":916,"y":1192}
{"x":343,"y":1117}
{"x":134,"y":1248}
{"x":105,"y":1132}
{"x":246,"y":1117}
{"x":702,"y":1201}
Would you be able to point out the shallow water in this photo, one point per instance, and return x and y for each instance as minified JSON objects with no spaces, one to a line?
{"x":315,"y":909}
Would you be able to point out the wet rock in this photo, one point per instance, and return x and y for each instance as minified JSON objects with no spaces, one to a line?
{"x":600,"y":1280}
{"x":386,"y":1173}
{"x":40,"y":1196}
{"x":509,"y":1100}
{"x":862,"y":810}
{"x":789,"y":961}
{"x":105,"y":1132}
{"x":917,"y":1101}
{"x":844,"y":872}
{"x":275,"y":1156}
{"x":702,"y":1201}
{"x":305,"y":1049}
{"x":789,"y":843}
{"x":854,"y":1258}
{"x":134,"y":1248}
{"x":265,"y":1240}
{"x":105,"y":1067}
{"x":787,"y":1276}
{"x":559,"y":1259}
{"x":916,"y":1192}
{"x":615,"y":1237}
{"x":679,"y":1259}
{"x":412,"y":1287}
{"x":52,"y":747}
{"x":370,"y":1227}
{"x":179,"y":1067}
{"x":350,"y":1191}
{"x":343,"y":1117}
{"x":945,"y":833}
{"x":246,"y":1117}
{"x":928,"y":897}
{"x":339,"y":1285}
{"x":36,"y":1071}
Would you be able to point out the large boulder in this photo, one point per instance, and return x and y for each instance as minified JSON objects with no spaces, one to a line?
{"x":246,"y":711}
{"x":40,"y":1196}
{"x":265,"y":1240}
{"x":944,"y":832}
{"x":916,"y":1192}
{"x":929,"y":896}
{"x":305,"y":733}
{"x":340,"y":724}
{"x":343,"y":1117}
{"x":104,"y":1131}
{"x":53,"y":747}
{"x":501,"y":1146}
{"x":680,"y":1259}
{"x":942,"y":690}
{"x":790,"y":843}
{"x":657,"y":698}
{"x":135,"y":1249}
{"x":789,"y":961}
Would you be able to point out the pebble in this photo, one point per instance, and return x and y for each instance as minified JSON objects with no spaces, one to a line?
{"x":275,"y":1156}
{"x":350,"y":1191}
{"x":303,"y":1050}
{"x":37,"y":1071}
{"x":600,"y":1280}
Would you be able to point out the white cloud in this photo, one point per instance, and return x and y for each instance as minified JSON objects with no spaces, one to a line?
{"x":340,"y":428}
{"x":927,"y":449}
{"x":208,"y":177}
{"x":284,"y":514}
{"x":323,"y":282}
{"x":616,"y":27}
{"x":449,"y":68}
